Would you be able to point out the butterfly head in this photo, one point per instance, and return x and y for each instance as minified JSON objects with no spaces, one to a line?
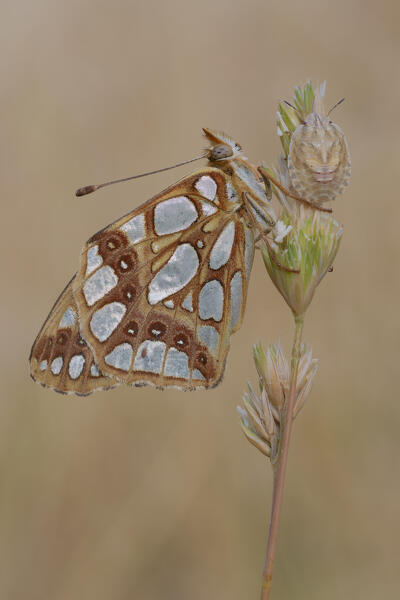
{"x":222,"y":147}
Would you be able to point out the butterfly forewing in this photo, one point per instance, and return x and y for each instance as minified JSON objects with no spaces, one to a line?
{"x":60,"y":358}
{"x":160,"y":291}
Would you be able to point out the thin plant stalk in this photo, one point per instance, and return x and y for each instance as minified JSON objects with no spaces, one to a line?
{"x":280,"y":462}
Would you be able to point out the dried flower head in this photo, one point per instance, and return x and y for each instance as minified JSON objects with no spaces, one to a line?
{"x":262,"y":413}
{"x":310,"y":246}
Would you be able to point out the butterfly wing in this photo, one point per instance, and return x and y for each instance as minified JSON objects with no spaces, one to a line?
{"x":160,"y":290}
{"x":60,"y":358}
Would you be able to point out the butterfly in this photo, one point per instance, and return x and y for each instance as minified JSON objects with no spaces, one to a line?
{"x":159,"y":292}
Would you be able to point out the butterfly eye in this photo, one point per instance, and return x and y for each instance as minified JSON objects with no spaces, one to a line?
{"x":220,"y":152}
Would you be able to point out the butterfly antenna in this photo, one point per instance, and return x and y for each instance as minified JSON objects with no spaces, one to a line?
{"x":335,"y":106}
{"x":88,"y":189}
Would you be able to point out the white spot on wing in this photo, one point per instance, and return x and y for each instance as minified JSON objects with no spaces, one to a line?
{"x":94,"y":370}
{"x":231,"y":192}
{"x":198,"y":375}
{"x":236,"y":298}
{"x":179,"y":270}
{"x":93,"y":259}
{"x":209,"y":336}
{"x":188,"y":302}
{"x":105,"y":320}
{"x":248,"y":250}
{"x":169,"y":303}
{"x":120,"y":357}
{"x":207,"y":187}
{"x":99,"y":284}
{"x":174,"y":214}
{"x":76,"y":365}
{"x":249,"y":179}
{"x":176,"y":364}
{"x":149,"y":357}
{"x":43,"y":365}
{"x":211,"y":300}
{"x":222,"y":248}
{"x":135,"y":229}
{"x":208,"y":209}
{"x":56,"y":365}
{"x":68,"y":318}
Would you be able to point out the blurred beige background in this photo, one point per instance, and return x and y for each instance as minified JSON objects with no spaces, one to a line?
{"x":143,"y":494}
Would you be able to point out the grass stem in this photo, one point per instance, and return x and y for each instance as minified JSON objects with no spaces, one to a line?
{"x":280,"y":462}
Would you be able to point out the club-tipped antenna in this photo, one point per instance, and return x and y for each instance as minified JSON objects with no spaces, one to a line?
{"x":88,"y":189}
{"x":335,"y":106}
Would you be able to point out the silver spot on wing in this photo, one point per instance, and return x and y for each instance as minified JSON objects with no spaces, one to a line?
{"x":120,"y":357}
{"x":56,"y":365}
{"x":198,"y":375}
{"x":94,"y":370}
{"x":179,"y":270}
{"x":99,"y":284}
{"x":208,"y":209}
{"x":248,"y":250}
{"x":188,"y":302}
{"x":76,"y":365}
{"x":105,"y":320}
{"x":209,"y":336}
{"x":43,"y":365}
{"x":174,"y":214}
{"x":149,"y":357}
{"x":68,"y":318}
{"x":93,"y":259}
{"x":231,"y":192}
{"x":211,"y":300}
{"x":207,"y":187}
{"x":135,"y":229}
{"x":222,"y":248}
{"x":249,"y":179}
{"x":236,"y":298}
{"x":176,"y":364}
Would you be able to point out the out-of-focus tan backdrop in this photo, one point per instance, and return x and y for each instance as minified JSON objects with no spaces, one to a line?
{"x":143,"y":494}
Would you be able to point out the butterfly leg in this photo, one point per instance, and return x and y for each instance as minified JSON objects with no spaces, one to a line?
{"x":268,"y":179}
{"x":263,"y":236}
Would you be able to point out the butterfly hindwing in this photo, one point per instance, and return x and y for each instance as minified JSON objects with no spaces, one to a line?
{"x":160,"y":291}
{"x":60,"y":358}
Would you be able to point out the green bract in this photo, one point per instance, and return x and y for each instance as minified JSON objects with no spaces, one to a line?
{"x":310,"y":247}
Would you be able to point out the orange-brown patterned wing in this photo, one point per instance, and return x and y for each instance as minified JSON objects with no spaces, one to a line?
{"x":160,"y":291}
{"x":60,"y":358}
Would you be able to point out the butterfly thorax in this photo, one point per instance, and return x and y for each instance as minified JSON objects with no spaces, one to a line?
{"x":243,"y":178}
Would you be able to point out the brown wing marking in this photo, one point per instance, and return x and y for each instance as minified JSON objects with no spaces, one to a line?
{"x":60,"y":359}
{"x":164,"y":343}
